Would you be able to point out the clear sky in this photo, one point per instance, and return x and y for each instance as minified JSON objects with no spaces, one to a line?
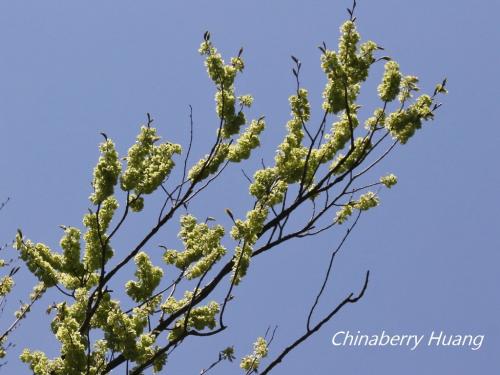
{"x":69,"y":70}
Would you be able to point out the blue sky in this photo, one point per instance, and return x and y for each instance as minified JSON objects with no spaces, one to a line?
{"x":69,"y":70}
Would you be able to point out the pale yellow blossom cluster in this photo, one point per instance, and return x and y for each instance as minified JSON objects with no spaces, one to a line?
{"x":81,"y":266}
{"x":251,"y":362}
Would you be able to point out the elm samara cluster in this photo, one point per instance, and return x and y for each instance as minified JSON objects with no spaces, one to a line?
{"x":80,"y":267}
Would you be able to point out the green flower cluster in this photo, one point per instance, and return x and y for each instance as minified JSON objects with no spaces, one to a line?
{"x":6,"y":284}
{"x":3,"y":352}
{"x":37,"y":293}
{"x":346,"y":69}
{"x":122,"y":333}
{"x":97,"y":248}
{"x":223,"y":75}
{"x":267,"y":187}
{"x":172,"y":305}
{"x":73,"y":358}
{"x":270,"y":184}
{"x":147,"y":350}
{"x":199,"y":319}
{"x":361,"y":147}
{"x":148,"y":278}
{"x":245,"y":100}
{"x":251,"y":362}
{"x":125,"y":333}
{"x":389,"y":88}
{"x":242,"y":256}
{"x":367,"y":201}
{"x":248,"y":141}
{"x":403,"y":124}
{"x":40,"y":364}
{"x":205,"y":167}
{"x":202,"y":247}
{"x":106,"y":172}
{"x":67,"y":268}
{"x":291,"y":154}
{"x":389,"y":180}
{"x":40,"y":260}
{"x":364,"y":203}
{"x":340,"y":135}
{"x":408,"y":86}
{"x":344,"y":213}
{"x":247,"y":232}
{"x":72,"y":267}
{"x":147,"y":164}
{"x":136,"y":202}
{"x":374,"y":121}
